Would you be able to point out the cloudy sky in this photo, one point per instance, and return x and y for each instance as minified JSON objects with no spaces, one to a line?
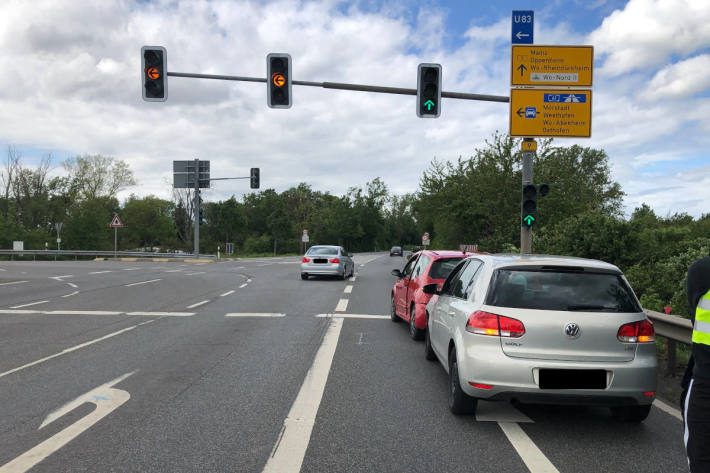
{"x":70,"y":84}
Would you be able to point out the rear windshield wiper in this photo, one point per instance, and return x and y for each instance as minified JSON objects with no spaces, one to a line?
{"x":591,"y":307}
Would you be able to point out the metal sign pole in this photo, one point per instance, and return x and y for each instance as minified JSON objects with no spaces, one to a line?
{"x":196,"y":208}
{"x":115,"y":242}
{"x":526,"y":231}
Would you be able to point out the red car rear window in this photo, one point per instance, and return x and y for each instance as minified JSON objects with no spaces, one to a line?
{"x":441,"y":268}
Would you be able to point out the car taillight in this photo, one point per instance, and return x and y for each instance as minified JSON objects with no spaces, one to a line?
{"x":305,"y":260}
{"x":637,"y":332}
{"x":334,"y":260}
{"x":485,"y":323}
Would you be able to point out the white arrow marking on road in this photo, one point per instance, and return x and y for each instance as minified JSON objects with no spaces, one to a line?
{"x":27,"y":305}
{"x":105,"y":397}
{"x":12,"y":282}
{"x":290,"y":449}
{"x":71,"y":284}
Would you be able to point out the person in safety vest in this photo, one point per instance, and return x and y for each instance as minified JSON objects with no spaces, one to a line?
{"x":696,"y":382}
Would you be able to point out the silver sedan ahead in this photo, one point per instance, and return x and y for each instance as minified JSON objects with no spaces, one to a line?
{"x":327,"y":261}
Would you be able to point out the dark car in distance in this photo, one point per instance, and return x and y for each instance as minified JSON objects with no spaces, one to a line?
{"x":396,"y":251}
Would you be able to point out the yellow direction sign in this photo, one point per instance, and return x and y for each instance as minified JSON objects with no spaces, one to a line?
{"x":551,"y":112}
{"x":551,"y":65}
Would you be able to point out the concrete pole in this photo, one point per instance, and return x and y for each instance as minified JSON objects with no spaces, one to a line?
{"x":196,"y":208}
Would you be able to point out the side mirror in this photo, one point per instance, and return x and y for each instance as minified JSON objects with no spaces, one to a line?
{"x":431,"y":289}
{"x":397,"y":272}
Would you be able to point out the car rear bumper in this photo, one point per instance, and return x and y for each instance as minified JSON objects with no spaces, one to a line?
{"x":518,"y":378}
{"x":323,"y":269}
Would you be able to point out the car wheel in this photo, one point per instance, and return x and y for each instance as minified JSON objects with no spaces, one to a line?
{"x":393,"y":311}
{"x":428,"y":350}
{"x":304,"y":276}
{"x":414,"y":332}
{"x":460,"y":403}
{"x":631,"y":413}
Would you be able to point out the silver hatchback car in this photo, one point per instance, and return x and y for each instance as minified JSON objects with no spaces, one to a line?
{"x":542,"y":329}
{"x":327,"y":261}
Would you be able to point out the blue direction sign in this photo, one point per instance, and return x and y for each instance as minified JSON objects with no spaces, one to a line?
{"x":522,"y":26}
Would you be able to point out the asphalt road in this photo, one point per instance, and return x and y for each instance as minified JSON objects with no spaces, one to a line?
{"x":243,"y":367}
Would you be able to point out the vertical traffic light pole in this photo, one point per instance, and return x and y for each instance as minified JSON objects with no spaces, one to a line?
{"x":196,"y":208}
{"x":526,"y":230}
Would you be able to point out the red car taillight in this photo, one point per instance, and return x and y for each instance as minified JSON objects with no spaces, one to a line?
{"x":637,"y":332}
{"x":485,"y":323}
{"x":305,"y":260}
{"x":334,"y":260}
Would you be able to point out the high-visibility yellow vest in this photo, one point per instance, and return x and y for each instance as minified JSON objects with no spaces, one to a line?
{"x":701,"y":329}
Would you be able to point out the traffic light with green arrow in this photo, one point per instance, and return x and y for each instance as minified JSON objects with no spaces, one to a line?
{"x":429,"y":90}
{"x":529,"y":205}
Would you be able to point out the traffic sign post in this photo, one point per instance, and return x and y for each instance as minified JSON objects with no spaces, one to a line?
{"x":569,"y":66}
{"x":551,"y":112}
{"x":522,"y":27}
{"x":305,"y":239}
{"x":425,"y":239}
{"x":115,"y":224}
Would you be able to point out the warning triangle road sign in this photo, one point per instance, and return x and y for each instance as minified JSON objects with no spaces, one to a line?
{"x":116,"y":222}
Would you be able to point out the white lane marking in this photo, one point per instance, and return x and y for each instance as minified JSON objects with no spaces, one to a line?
{"x":12,"y":282}
{"x":174,"y":271}
{"x":67,"y":350}
{"x":534,"y":459}
{"x":353,"y":316}
{"x":71,"y":294}
{"x":27,"y":305}
{"x":240,"y":267}
{"x":193,"y":274}
{"x":489,"y":411}
{"x":60,"y":277}
{"x":1,"y":269}
{"x":255,"y":314}
{"x":352,"y":278}
{"x":342,"y":305}
{"x":131,"y":269}
{"x":197,"y":304}
{"x":348,"y":289}
{"x":142,"y":282}
{"x":243,"y":286}
{"x":100,"y":272}
{"x":248,"y":280}
{"x":227,"y":293}
{"x":668,"y":409}
{"x":290,"y":449}
{"x":161,"y":314}
{"x":71,"y":284}
{"x":105,"y":397}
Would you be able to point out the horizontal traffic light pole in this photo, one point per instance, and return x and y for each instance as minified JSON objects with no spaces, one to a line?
{"x":356,"y":87}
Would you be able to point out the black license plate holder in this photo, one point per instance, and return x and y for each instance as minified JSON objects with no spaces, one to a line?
{"x":572,"y":379}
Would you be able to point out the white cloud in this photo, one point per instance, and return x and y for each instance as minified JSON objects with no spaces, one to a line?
{"x":649,"y":32}
{"x":681,"y":79}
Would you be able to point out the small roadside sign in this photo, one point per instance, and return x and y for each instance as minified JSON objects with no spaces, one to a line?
{"x":425,"y":239}
{"x":551,"y":65}
{"x":522,"y":26}
{"x":528,"y":146}
{"x":551,"y":112}
{"x":305,"y":238}
{"x":116,"y":222}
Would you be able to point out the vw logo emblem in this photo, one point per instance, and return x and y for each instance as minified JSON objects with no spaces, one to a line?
{"x":572,"y":330}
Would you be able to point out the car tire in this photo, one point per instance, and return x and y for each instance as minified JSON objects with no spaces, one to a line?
{"x":631,"y":413}
{"x":428,"y":350}
{"x":393,"y":311}
{"x":460,"y":403}
{"x":414,"y":332}
{"x":304,"y":276}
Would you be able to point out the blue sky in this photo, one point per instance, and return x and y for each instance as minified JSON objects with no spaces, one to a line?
{"x":651,"y":88}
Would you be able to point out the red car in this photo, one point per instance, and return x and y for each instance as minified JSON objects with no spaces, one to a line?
{"x":408,"y":302}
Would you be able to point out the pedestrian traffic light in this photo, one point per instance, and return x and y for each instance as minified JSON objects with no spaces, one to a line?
{"x":154,"y":66}
{"x":529,"y":206}
{"x":429,"y":90}
{"x":278,"y":80}
{"x":254,"y":178}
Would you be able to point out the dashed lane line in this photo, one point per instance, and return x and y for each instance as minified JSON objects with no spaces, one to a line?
{"x":342,"y":305}
{"x":668,"y":409}
{"x":227,"y":293}
{"x":243,"y":286}
{"x":348,"y":289}
{"x":92,"y":312}
{"x":131,"y":269}
{"x":71,"y":284}
{"x":71,"y":294}
{"x":197,"y":304}
{"x":100,"y":272}
{"x":254,"y":314}
{"x":173,"y":270}
{"x":352,"y":278}
{"x":28,"y":305}
{"x":59,"y":278}
{"x":194,"y":274}
{"x":162,"y":314}
{"x":12,"y":283}
{"x":142,"y":282}
{"x":353,"y":316}
{"x":532,"y":456}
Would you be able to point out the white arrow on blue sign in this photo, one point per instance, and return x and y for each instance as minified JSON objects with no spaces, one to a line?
{"x":522,"y":26}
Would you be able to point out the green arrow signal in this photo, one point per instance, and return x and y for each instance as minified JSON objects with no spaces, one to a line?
{"x":529,"y":219}
{"x":428,"y":104}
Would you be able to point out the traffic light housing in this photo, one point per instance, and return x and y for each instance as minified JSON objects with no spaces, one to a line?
{"x":154,"y":67}
{"x":254,"y":178}
{"x":529,"y":205}
{"x":429,"y":90}
{"x":278,"y":80}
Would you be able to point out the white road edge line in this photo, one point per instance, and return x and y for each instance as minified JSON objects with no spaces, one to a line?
{"x":532,"y":456}
{"x":353,"y":316}
{"x":71,"y":294}
{"x":27,"y":305}
{"x":12,"y":282}
{"x":197,"y":304}
{"x":290,"y":448}
{"x":342,"y":305}
{"x":67,"y":350}
{"x":255,"y":314}
{"x":142,"y":282}
{"x":227,"y":293}
{"x":348,"y":289}
{"x":668,"y":409}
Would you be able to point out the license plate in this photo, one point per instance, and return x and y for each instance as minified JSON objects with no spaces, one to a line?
{"x":572,"y":379}
{"x":320,"y":261}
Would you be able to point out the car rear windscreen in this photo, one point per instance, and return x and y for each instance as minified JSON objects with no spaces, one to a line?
{"x":441,"y":268}
{"x":322,"y":250}
{"x":582,"y":291}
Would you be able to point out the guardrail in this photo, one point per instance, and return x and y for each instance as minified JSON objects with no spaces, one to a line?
{"x":125,"y":254}
{"x":675,"y":329}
